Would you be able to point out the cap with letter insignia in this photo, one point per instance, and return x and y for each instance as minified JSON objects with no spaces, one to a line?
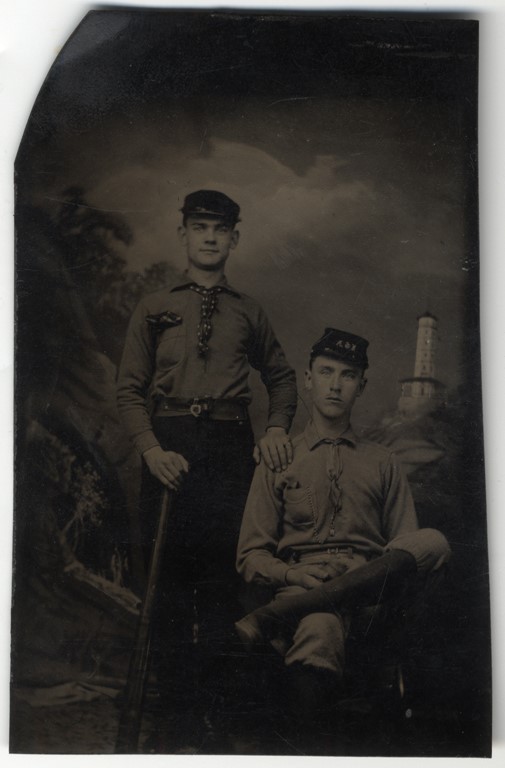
{"x":341,"y":345}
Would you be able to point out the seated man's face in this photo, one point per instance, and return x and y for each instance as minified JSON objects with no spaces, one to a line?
{"x":335,"y":385}
{"x":208,"y":241}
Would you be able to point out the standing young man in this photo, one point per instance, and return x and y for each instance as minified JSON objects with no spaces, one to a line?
{"x":183,"y":395}
{"x":335,"y":531}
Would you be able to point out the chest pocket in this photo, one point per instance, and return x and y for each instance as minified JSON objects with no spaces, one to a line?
{"x":299,"y":507}
{"x":171,"y":347}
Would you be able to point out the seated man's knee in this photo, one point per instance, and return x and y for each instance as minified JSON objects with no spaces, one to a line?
{"x":428,"y":546}
{"x":319,"y":640}
{"x":321,"y":626}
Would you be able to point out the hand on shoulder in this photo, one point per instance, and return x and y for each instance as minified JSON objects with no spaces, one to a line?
{"x":275,"y":449}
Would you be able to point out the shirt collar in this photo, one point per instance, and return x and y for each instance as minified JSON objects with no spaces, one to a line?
{"x":183,"y":282}
{"x":314,"y":439}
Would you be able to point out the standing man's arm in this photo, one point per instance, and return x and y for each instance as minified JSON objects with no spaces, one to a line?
{"x":134,"y":380}
{"x":267,"y":356}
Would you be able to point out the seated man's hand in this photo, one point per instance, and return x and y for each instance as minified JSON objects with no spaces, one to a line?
{"x":308,"y":576}
{"x":275,"y":449}
{"x":167,"y":466}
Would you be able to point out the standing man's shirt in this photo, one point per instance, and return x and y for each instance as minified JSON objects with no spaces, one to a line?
{"x":162,"y":358}
{"x":336,"y":493}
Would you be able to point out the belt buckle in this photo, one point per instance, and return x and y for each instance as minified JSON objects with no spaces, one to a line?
{"x":200,"y":406}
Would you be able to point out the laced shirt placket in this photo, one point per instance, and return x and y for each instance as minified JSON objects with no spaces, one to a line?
{"x":334,"y":471}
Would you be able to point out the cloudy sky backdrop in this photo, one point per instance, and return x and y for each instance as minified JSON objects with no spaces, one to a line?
{"x":347,"y":147}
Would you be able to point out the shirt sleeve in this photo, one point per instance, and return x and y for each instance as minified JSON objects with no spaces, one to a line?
{"x":259,"y":534}
{"x":134,"y":379}
{"x":266,"y":355}
{"x":399,"y":510}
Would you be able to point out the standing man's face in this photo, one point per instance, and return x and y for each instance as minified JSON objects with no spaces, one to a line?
{"x":335,"y":386}
{"x":208,"y":241}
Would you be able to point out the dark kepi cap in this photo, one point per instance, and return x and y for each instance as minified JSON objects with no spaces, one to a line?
{"x":208,"y":202}
{"x":341,"y":346}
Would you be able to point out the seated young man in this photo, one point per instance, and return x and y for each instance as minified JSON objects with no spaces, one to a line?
{"x":335,"y":531}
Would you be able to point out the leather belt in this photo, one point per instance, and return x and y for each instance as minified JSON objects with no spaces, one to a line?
{"x":296,"y":555}
{"x":340,"y":551}
{"x":202,"y":407}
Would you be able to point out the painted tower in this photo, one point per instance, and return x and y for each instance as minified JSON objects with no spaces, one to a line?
{"x":423,"y":392}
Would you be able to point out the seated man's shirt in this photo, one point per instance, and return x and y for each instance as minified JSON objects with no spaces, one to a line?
{"x":336,"y":493}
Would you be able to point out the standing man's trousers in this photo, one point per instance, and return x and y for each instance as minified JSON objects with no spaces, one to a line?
{"x":198,"y":595}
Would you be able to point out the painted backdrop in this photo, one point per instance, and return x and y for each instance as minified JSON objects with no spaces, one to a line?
{"x":350,"y":145}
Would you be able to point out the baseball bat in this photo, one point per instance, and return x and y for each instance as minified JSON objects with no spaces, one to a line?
{"x":136,"y":683}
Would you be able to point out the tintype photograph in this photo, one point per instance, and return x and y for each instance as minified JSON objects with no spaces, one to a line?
{"x":249,"y":492}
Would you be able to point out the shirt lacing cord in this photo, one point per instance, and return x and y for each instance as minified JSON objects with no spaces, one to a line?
{"x":334,"y":471}
{"x":208,"y":307}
